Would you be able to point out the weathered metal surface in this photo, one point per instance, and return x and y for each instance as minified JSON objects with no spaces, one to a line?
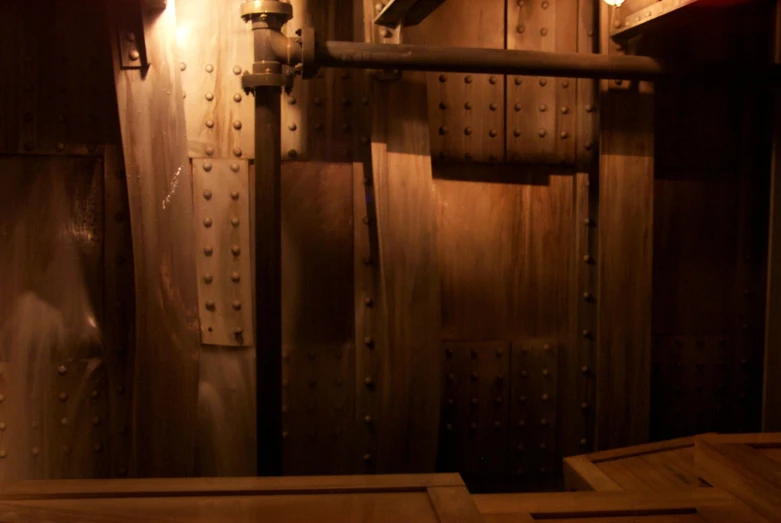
{"x":406,"y":12}
{"x":630,"y":24}
{"x":222,"y":251}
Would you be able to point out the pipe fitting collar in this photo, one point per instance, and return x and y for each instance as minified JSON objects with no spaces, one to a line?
{"x":257,"y":8}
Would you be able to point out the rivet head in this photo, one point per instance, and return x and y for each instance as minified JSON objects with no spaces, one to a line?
{"x":468,"y":79}
{"x":208,"y":250}
{"x":468,"y":131}
{"x":209,"y":305}
{"x":208,"y":278}
{"x":237,"y":126}
{"x":583,"y":442}
{"x":95,"y":394}
{"x":492,"y":133}
{"x":544,"y":31}
{"x":3,"y":426}
{"x":292,"y":127}
{"x":62,"y":369}
{"x":545,"y":372}
{"x":235,"y":277}
{"x":238,"y":331}
{"x":565,"y":83}
{"x":236,"y":69}
{"x":564,"y":109}
{"x":468,"y":106}
{"x":564,"y":135}
{"x":520,"y":29}
{"x":443,"y":130}
{"x":587,"y":296}
{"x":237,"y":97}
{"x":541,"y":133}
{"x":367,"y":457}
{"x":543,"y":108}
{"x":235,"y":167}
{"x":209,"y":68}
{"x":98,"y":448}
{"x":209,"y":96}
{"x":207,"y":222}
{"x":134,"y":55}
{"x":36,"y":451}
{"x":63,"y":396}
{"x":545,"y":5}
{"x":317,"y":100}
{"x":368,"y":381}
{"x":518,"y":107}
{"x":207,"y":194}
{"x":492,"y":80}
{"x":235,"y":221}
{"x":292,"y":100}
{"x":182,"y":66}
{"x":236,"y":305}
{"x":234,"y":195}
{"x":2,"y":398}
{"x":237,"y":150}
{"x":584,"y":369}
{"x":516,"y":132}
{"x":209,"y":123}
{"x":209,"y":150}
{"x":3,"y":454}
{"x":207,"y":166}
{"x":96,"y":420}
{"x":584,"y":405}
{"x":60,"y":147}
{"x":369,"y":302}
{"x":368,"y":341}
{"x":543,"y":82}
{"x":235,"y":249}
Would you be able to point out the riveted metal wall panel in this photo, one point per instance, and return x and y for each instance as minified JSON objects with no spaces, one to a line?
{"x":221,"y":196}
{"x":541,"y":112}
{"x":466,"y":112}
{"x":216,"y":48}
{"x":533,"y":455}
{"x":475,"y":403}
{"x":60,"y":100}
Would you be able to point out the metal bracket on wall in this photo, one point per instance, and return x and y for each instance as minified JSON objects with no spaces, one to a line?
{"x":130,"y":35}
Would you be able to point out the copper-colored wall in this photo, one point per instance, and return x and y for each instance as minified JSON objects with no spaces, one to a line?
{"x":542,"y":273}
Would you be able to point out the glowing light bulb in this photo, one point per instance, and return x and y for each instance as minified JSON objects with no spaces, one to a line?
{"x":614,"y":3}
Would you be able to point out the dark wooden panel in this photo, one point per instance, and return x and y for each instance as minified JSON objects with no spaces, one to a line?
{"x":771,"y":398}
{"x":317,"y":325}
{"x":410,"y":285}
{"x":505,"y":241}
{"x":625,"y":226}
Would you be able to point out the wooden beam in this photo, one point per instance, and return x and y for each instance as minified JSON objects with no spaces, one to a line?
{"x":771,"y":404}
{"x":161,"y":210}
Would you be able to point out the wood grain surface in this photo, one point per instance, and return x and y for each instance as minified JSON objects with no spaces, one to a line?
{"x":160,"y":192}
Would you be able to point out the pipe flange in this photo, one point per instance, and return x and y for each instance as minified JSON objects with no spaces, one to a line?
{"x":253,"y":8}
{"x":308,"y":42}
{"x":250,"y":81}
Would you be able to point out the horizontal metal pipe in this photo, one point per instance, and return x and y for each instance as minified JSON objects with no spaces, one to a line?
{"x":499,"y":61}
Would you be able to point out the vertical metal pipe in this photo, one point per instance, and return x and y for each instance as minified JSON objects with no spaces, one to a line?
{"x":268,"y":275}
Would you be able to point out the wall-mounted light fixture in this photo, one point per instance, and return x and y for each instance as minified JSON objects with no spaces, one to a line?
{"x":614,"y":3}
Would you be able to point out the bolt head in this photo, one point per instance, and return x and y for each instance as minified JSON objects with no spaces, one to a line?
{"x":134,"y":55}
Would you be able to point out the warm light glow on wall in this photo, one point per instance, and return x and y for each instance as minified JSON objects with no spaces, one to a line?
{"x":614,"y":3}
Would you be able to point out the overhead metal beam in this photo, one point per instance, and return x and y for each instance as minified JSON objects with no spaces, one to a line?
{"x":407,"y":12}
{"x":651,"y":16}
